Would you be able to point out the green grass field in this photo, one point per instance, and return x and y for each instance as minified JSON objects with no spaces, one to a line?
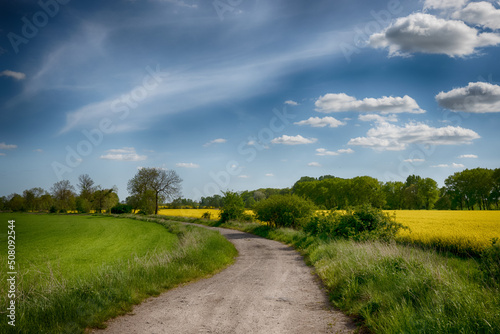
{"x":76,"y":246}
{"x":75,"y":272}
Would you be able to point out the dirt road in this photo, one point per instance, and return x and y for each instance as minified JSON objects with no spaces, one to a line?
{"x":268,"y":290}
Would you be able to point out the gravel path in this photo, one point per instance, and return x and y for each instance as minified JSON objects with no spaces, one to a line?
{"x":268,"y":290}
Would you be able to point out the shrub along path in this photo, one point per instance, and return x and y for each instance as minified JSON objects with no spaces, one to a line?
{"x":268,"y":290}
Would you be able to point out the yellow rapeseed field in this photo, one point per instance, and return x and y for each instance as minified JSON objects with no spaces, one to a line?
{"x":463,"y":232}
{"x":191,"y":213}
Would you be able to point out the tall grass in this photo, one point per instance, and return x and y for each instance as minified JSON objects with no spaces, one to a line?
{"x":59,"y":304}
{"x":392,"y":288}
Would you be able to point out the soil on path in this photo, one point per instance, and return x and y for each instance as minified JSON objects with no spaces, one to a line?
{"x":268,"y":290}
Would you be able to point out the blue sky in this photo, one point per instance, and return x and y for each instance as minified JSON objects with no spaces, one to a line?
{"x":243,"y":94}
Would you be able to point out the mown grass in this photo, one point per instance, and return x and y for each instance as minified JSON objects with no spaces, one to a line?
{"x":392,"y":288}
{"x":143,"y":260}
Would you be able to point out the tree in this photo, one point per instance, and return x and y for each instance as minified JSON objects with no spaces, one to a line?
{"x":429,"y":192}
{"x":86,"y":186}
{"x":161,"y":183}
{"x":105,"y":199}
{"x":15,"y":202}
{"x":393,"y":194}
{"x":233,"y":206}
{"x":32,"y":198}
{"x":64,"y":196}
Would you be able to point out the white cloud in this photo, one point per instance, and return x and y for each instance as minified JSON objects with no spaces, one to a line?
{"x":2,"y":154}
{"x":123,"y":154}
{"x":291,"y":103}
{"x":269,"y":174}
{"x":391,"y":137}
{"x":444,"y":4}
{"x":386,"y":104}
{"x":414,"y":160}
{"x":215,"y":141}
{"x":426,"y":33}
{"x":4,"y":146}
{"x":325,"y":152}
{"x":453,"y":165}
{"x":468,"y":156}
{"x":243,"y":176}
{"x":378,"y":118}
{"x":39,"y":150}
{"x":187,"y":165}
{"x":477,"y":97}
{"x":314,"y":164}
{"x":479,"y":13}
{"x":317,"y":122}
{"x":293,"y":140}
{"x":12,"y":74}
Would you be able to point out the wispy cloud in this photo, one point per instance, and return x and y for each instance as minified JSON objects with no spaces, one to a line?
{"x":269,"y":174}
{"x":291,"y":103}
{"x":215,"y":141}
{"x":187,"y":165}
{"x":12,"y":74}
{"x":123,"y":154}
{"x":314,"y":164}
{"x":387,"y":104}
{"x":453,"y":165}
{"x":468,"y":156}
{"x":4,"y":146}
{"x":317,"y":122}
{"x":325,"y":152}
{"x":293,"y":140}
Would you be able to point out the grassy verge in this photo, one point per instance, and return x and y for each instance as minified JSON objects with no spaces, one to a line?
{"x":395,"y":288}
{"x":68,"y":301}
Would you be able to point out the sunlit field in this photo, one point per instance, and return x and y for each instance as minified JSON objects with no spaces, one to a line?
{"x":194,"y":213}
{"x":463,"y":232}
{"x":190,"y":213}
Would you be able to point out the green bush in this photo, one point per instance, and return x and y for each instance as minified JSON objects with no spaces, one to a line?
{"x":206,"y":215}
{"x":232,"y":208}
{"x":490,"y":262}
{"x":121,"y":208}
{"x":322,"y":224}
{"x":284,"y":210}
{"x":361,"y":223}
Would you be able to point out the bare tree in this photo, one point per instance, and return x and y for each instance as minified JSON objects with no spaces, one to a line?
{"x":63,"y":193}
{"x":86,"y":185}
{"x":164,"y":184}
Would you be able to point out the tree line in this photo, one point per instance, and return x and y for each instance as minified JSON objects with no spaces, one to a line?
{"x":148,"y":189}
{"x":63,"y":197}
{"x":471,"y":189}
